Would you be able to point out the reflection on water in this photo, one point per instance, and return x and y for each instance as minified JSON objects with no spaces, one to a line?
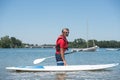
{"x":80,"y":75}
{"x":60,"y":76}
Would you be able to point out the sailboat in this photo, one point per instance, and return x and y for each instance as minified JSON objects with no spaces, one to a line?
{"x":88,"y":49}
{"x":94,"y":48}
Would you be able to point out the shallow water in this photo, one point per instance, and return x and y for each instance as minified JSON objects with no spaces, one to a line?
{"x":23,"y":57}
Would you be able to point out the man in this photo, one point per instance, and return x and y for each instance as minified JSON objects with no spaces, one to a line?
{"x":61,"y":47}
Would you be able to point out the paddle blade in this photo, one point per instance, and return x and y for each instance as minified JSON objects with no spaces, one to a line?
{"x":36,"y":61}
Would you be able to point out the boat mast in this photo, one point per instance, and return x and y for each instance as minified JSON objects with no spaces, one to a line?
{"x":93,"y":42}
{"x":87,"y":34}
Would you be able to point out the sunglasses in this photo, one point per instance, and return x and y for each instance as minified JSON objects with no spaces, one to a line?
{"x":67,"y":32}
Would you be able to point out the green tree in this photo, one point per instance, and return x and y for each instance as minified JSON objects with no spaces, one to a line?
{"x":0,"y":44}
{"x":5,"y":42}
{"x":78,"y":43}
{"x":16,"y":43}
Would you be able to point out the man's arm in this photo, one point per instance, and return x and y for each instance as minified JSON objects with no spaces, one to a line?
{"x":62,"y":55}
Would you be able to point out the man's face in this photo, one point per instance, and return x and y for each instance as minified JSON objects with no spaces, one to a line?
{"x":66,"y":33}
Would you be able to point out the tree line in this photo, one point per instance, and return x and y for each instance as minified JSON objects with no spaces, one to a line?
{"x":12,"y":42}
{"x":81,"y":43}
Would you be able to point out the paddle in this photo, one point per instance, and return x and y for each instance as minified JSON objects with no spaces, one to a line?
{"x":36,"y":61}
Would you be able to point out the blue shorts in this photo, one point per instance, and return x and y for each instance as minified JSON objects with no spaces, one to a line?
{"x":59,"y":60}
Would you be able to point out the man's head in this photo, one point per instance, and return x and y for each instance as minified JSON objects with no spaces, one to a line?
{"x":65,"y":31}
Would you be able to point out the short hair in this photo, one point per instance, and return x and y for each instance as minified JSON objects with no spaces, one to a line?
{"x":65,"y":29}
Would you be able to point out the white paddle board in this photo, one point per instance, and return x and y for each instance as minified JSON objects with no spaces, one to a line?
{"x":61,"y":68}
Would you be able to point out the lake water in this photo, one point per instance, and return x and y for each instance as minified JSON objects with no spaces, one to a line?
{"x":23,"y":57}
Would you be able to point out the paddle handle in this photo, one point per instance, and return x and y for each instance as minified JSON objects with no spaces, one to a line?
{"x":50,"y":57}
{"x":69,"y":52}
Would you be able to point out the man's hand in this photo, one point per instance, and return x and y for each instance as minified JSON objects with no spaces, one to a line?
{"x":65,"y":64}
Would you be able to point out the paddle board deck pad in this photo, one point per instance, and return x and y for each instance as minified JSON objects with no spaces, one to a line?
{"x":61,"y":68}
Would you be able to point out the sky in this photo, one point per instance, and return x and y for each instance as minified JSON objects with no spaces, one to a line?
{"x":41,"y":21}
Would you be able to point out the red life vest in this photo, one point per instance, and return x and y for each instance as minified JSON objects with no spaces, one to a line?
{"x":64,"y":44}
